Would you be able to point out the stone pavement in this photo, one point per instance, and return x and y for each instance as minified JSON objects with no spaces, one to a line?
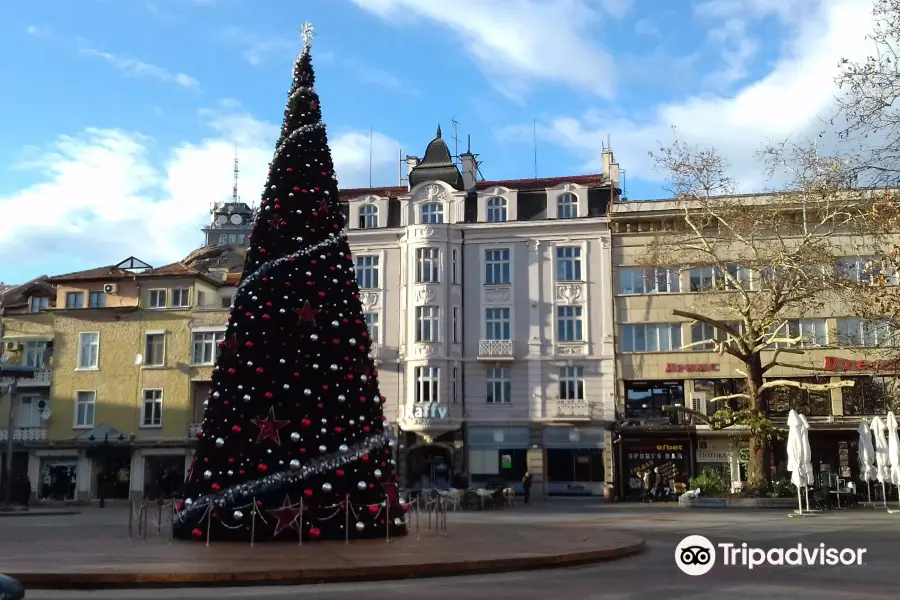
{"x":92,"y":550}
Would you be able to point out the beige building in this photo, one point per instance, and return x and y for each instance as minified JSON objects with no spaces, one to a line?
{"x":653,"y":371}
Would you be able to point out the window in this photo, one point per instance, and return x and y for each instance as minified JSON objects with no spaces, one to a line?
{"x":568,"y":263}
{"x":84,"y":409}
{"x":569,"y":324}
{"x":367,"y":272}
{"x":427,"y":382}
{"x":566,"y":206}
{"x":97,"y":300}
{"x":496,"y":266}
{"x":813,"y":332}
{"x":88,"y":350}
{"x":499,"y":386}
{"x":201,"y":298}
{"x":649,"y":398}
{"x":432,"y":213}
{"x":227,"y":301}
{"x":454,"y":266}
{"x":157,"y":299}
{"x":155,"y":350}
{"x":651,"y":337}
{"x":426,"y":323}
{"x":368,"y":216}
{"x":35,"y":354}
{"x":806,"y":402}
{"x":223,"y":238}
{"x":571,"y":383}
{"x":152,"y":409}
{"x":654,"y":280}
{"x":205,"y":346}
{"x":455,"y":324}
{"x":496,"y":324}
{"x":853,"y":331}
{"x":702,"y":332}
{"x":427,"y":263}
{"x":496,"y":210}
{"x":866,"y":270}
{"x":872,"y":395}
{"x":372,"y":324}
{"x":455,"y":385}
{"x":39,"y":303}
{"x":28,"y":414}
{"x":181,"y":297}
{"x":704,"y":279}
{"x":74,"y":299}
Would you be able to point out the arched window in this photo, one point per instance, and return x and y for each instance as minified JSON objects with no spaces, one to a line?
{"x":432,"y":213}
{"x":368,"y":216}
{"x":496,"y":210}
{"x":566,"y":206}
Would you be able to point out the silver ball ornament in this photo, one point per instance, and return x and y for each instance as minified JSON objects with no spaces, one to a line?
{"x":322,"y":448}
{"x":361,"y":485}
{"x":333,"y":367}
{"x":230,"y":472}
{"x":335,"y":324}
{"x":360,"y":526}
{"x":378,"y":473}
{"x":207,"y":474}
{"x":219,"y":442}
{"x":326,"y":487}
{"x":344,"y":448}
{"x":352,"y":341}
{"x":398,"y":521}
{"x":295,"y":464}
{"x":238,"y":515}
{"x":314,"y":337}
{"x":307,"y":392}
{"x":342,"y":398}
{"x":295,"y":437}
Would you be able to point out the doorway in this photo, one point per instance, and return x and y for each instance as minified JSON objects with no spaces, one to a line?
{"x":429,"y":467}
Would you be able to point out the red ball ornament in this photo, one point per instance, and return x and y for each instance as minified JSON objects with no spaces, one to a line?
{"x":262,"y":468}
{"x":305,"y":422}
{"x":242,"y":472}
{"x":230,"y":460}
{"x":236,"y":429}
{"x":259,"y":370}
{"x":197,"y":532}
{"x":364,"y":458}
{"x":268,"y":395}
{"x":289,"y":170}
{"x":296,"y":189}
{"x":339,"y":472}
{"x":315,"y":532}
{"x":249,"y":344}
{"x":231,"y":371}
{"x":216,"y":487}
{"x":308,"y":493}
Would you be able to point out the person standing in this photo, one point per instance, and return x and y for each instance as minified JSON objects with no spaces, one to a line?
{"x":526,"y":487}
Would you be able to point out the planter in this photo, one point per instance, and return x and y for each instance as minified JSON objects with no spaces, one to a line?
{"x":701,"y":502}
{"x":746,"y":503}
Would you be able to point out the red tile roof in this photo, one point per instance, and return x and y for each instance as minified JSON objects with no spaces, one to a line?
{"x":514,"y":184}
{"x":176,"y":269}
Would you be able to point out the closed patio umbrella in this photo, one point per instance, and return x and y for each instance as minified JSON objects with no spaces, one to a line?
{"x":796,"y":460}
{"x":866,"y":455}
{"x":893,"y":452}
{"x":807,"y":457}
{"x":882,"y":472}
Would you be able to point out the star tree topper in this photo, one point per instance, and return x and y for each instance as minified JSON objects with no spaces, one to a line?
{"x":269,"y":427}
{"x":287,"y":515}
{"x":307,"y":32}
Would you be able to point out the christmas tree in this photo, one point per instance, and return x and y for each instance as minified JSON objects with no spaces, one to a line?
{"x":295,"y":418}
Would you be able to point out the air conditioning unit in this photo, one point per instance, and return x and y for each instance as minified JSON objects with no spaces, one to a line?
{"x":12,"y":346}
{"x":110,"y":288}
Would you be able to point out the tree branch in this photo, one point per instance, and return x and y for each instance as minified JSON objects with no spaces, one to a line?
{"x":813,"y":387}
{"x":774,"y":362}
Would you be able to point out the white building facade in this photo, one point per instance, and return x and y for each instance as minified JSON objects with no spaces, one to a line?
{"x":490,"y":306}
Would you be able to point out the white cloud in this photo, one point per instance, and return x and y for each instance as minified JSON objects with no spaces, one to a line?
{"x":255,"y":49}
{"x":517,"y":41}
{"x":790,"y":101}
{"x":138,"y":68}
{"x":37,"y":31}
{"x":105,"y":194}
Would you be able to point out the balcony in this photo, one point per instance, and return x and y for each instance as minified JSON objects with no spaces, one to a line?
{"x":41,"y":379}
{"x":25,"y":434}
{"x":495,"y":350}
{"x":571,"y":409}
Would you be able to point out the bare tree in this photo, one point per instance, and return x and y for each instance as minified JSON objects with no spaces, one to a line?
{"x":771,"y":257}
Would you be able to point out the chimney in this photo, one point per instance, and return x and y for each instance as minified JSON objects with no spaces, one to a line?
{"x":469,"y":167}
{"x":411,"y":163}
{"x":610,"y":168}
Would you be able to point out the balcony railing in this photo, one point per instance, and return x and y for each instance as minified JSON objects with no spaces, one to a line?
{"x":25,"y":434}
{"x":495,"y":349}
{"x":41,"y":378}
{"x":571,"y":409}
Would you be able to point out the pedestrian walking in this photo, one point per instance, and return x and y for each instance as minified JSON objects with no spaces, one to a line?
{"x":526,"y":487}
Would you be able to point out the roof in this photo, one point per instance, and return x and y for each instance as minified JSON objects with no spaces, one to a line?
{"x":437,"y":165}
{"x":17,"y":295}
{"x":176,"y":269}
{"x":594,"y":180}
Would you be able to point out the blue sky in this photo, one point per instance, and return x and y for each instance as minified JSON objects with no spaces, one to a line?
{"x":120,"y":117}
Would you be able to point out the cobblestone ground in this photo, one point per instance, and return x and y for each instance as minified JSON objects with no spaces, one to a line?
{"x":650,"y":575}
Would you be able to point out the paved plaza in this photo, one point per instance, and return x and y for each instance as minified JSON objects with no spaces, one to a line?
{"x":652,"y":574}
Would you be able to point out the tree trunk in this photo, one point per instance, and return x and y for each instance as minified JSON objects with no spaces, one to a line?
{"x":757,"y":463}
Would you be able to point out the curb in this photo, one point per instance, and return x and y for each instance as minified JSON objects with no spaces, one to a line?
{"x":97,"y":581}
{"x":42,"y":513}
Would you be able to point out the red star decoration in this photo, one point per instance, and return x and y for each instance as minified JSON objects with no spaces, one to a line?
{"x":323,"y":207}
{"x":269,"y":427}
{"x":314,"y":104}
{"x":275,"y":223}
{"x":307,"y":314}
{"x":286,"y":515}
{"x":229,"y":344}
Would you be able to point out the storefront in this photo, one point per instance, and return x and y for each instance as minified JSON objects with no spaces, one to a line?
{"x":163,"y":474}
{"x":574,"y":461}
{"x":722,"y":453}
{"x":430,"y":461}
{"x":498,"y":456}
{"x":57,"y":479}
{"x":672,"y":456}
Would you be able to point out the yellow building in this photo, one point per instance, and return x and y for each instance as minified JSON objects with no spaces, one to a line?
{"x":132,"y":355}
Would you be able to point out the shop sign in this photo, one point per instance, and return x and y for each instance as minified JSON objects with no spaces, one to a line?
{"x":575,"y":489}
{"x":712,"y":456}
{"x":671,"y":458}
{"x":841,"y":365}
{"x":692,"y":368}
{"x":506,"y":461}
{"x":427,"y":412}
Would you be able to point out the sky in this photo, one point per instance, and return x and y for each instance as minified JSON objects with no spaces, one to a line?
{"x":121,"y":117}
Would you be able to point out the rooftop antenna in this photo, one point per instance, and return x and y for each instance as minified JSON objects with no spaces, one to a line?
{"x":534,"y":142}
{"x":370,"y":157}
{"x":234,"y":190}
{"x":455,"y":139}
{"x":399,"y":167}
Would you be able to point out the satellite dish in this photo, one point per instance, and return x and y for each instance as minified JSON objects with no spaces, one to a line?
{"x":221,"y":220}
{"x":138,"y":359}
{"x":46,"y":414}
{"x":236,"y":219}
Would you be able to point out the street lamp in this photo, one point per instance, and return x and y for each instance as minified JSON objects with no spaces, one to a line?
{"x":14,"y":372}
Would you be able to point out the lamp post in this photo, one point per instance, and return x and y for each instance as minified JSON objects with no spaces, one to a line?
{"x":15,"y":372}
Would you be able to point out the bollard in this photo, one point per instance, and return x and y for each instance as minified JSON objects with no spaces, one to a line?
{"x":428,"y":510}
{"x":172,"y":523}
{"x":209,"y":511}
{"x":253,"y":524}
{"x":301,"y":521}
{"x":387,"y":518}
{"x":347,"y":519}
{"x":159,"y":518}
{"x":10,"y":589}
{"x":417,"y":518}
